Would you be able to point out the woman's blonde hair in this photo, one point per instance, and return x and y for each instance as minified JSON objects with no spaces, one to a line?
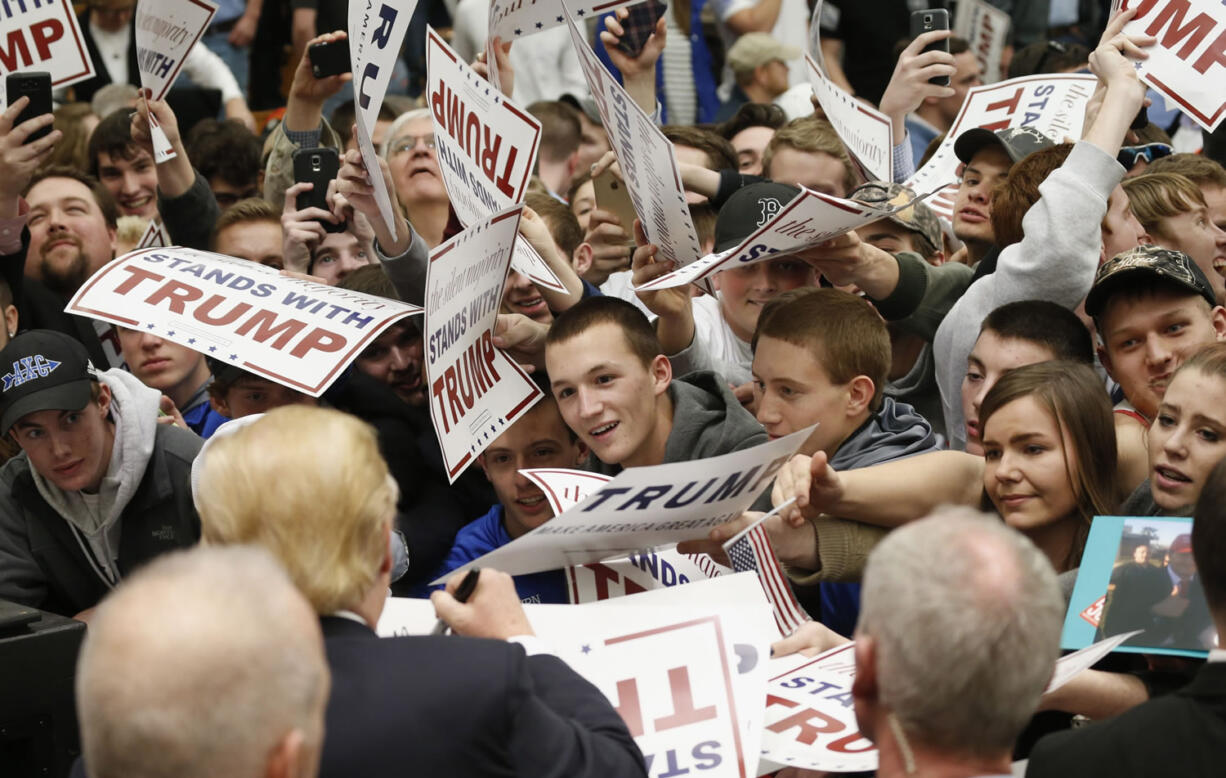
{"x":310,"y":485}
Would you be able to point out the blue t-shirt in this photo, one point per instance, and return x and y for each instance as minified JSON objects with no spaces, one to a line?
{"x":487,"y":533}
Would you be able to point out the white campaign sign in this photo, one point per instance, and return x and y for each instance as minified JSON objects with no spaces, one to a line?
{"x":564,"y":488}
{"x":298,"y":333}
{"x":375,"y":35}
{"x":648,"y":164}
{"x":514,"y":19}
{"x":155,"y":236}
{"x":475,"y":390}
{"x":1188,"y":64}
{"x":806,"y":220}
{"x":685,"y":670}
{"x":986,"y":28}
{"x":166,"y":30}
{"x":42,"y":35}
{"x":1072,"y":665}
{"x":486,"y":148}
{"x":645,"y":508}
{"x":1052,"y":104}
{"x":865,"y":131}
{"x":810,"y":721}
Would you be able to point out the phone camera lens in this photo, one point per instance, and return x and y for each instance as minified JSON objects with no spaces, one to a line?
{"x":927,"y":18}
{"x":315,"y":160}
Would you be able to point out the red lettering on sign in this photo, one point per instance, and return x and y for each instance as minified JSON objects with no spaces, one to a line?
{"x":811,"y":722}
{"x":1009,"y":105}
{"x":1171,"y":16}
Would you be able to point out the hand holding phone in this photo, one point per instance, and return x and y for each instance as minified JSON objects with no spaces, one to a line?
{"x":927,"y":21}
{"x":329,"y":58}
{"x":37,"y":87}
{"x":638,"y":26}
{"x":318,"y":166}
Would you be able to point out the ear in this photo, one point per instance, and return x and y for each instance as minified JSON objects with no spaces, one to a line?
{"x":104,"y":398}
{"x":385,"y":569}
{"x":481,"y":464}
{"x":938,"y":259}
{"x":582,"y":258}
{"x":960,"y":169}
{"x":860,"y":392}
{"x":1218,"y":317}
{"x":219,"y":404}
{"x":581,"y":451}
{"x":1105,"y":360}
{"x":285,"y":759}
{"x":113,"y":235}
{"x":10,"y":320}
{"x":661,"y":373}
{"x":864,"y":687}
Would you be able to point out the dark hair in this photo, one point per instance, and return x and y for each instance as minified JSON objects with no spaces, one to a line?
{"x":562,"y":223}
{"x":113,"y":135}
{"x":343,"y":116}
{"x":1209,"y":538}
{"x":1045,"y":324}
{"x":103,"y":197}
{"x":1020,"y":190}
{"x":594,"y":311}
{"x":580,"y":178}
{"x":370,"y":279}
{"x":842,"y":331}
{"x":560,"y":129}
{"x":225,"y":150}
{"x":719,"y":151}
{"x":1047,"y":57}
{"x":752,"y":115}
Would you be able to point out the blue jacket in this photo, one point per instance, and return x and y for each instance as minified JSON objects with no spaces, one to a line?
{"x":487,"y":533}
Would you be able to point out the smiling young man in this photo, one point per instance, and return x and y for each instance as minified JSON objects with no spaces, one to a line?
{"x":1174,"y":212}
{"x":539,"y":438}
{"x":615,"y":388}
{"x":99,"y":487}
{"x":123,"y":166}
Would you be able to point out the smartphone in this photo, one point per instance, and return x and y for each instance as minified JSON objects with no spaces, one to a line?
{"x":927,"y":21}
{"x":639,"y":26}
{"x":329,"y":58}
{"x":37,"y":87}
{"x":319,"y":166}
{"x":611,"y":194}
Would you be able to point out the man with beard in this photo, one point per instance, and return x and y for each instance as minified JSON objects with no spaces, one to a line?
{"x":64,"y":225}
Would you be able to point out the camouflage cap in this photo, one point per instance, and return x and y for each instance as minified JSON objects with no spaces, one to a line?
{"x":1154,"y":262}
{"x":917,"y":217}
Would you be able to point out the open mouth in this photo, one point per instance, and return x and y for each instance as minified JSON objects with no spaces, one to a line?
{"x":1170,"y":475}
{"x":531,"y":504}
{"x":135,"y":204}
{"x":603,"y":431}
{"x":529,"y":305}
{"x":972,"y":429}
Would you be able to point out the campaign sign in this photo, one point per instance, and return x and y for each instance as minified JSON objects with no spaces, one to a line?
{"x":298,"y":333}
{"x":1144,"y":567}
{"x":166,"y":30}
{"x":155,"y":236}
{"x":514,"y":19}
{"x":810,"y":718}
{"x":565,"y":488}
{"x":476,"y":391}
{"x":648,"y":164}
{"x":1071,"y":665}
{"x":865,"y":131}
{"x":376,"y":30}
{"x":808,"y":219}
{"x":986,"y":28}
{"x":1052,"y":104}
{"x":1188,"y":64}
{"x":42,"y":35}
{"x":647,"y":507}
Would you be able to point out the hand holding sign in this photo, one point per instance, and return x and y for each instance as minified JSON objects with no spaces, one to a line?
{"x":355,"y":184}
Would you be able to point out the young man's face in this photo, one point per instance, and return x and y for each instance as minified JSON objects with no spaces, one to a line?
{"x":252,"y":394}
{"x":584,"y":203}
{"x":973,"y":203}
{"x":1121,"y":230}
{"x":749,"y":144}
{"x":889,"y":236}
{"x":792,"y":391}
{"x":162,"y":364}
{"x":69,"y":237}
{"x":1194,"y":233}
{"x":396,"y":359}
{"x":1215,"y":198}
{"x":967,"y":75}
{"x":744,"y":290}
{"x":609,"y":397}
{"x":132,"y":181}
{"x":538,"y":439}
{"x":228,"y":194}
{"x":71,"y":449}
{"x":1145,"y":339}
{"x":257,"y":241}
{"x":814,"y":170}
{"x":520,"y":295}
{"x":990,"y":358}
{"x":593,"y":142}
{"x":338,"y":255}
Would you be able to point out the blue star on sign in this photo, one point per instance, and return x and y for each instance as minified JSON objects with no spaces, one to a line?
{"x":191,"y":340}
{"x":171,"y":333}
{"x":234,"y":357}
{"x":518,"y":31}
{"x":560,"y":19}
{"x":539,"y":25}
{"x":212,"y":349}
{"x":580,"y":12}
{"x":148,"y":326}
{"x":586,"y":649}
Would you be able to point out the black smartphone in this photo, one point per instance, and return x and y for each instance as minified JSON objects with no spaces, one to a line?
{"x":35,"y":85}
{"x":927,"y":21}
{"x":329,"y":58}
{"x":319,"y":166}
{"x":639,"y":25}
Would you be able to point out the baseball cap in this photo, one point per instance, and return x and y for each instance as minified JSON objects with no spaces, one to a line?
{"x":918,"y":217}
{"x":749,"y":208}
{"x":757,"y":48}
{"x":1016,"y":141}
{"x":1182,"y":543}
{"x":44,"y":371}
{"x":585,"y":104}
{"x":1154,"y":262}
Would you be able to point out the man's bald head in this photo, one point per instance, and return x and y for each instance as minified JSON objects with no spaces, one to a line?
{"x":205,"y":663}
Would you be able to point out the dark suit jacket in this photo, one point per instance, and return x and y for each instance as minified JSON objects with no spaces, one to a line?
{"x":452,"y":706}
{"x":1183,"y":733}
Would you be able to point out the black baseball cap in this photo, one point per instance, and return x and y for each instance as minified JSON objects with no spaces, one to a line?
{"x":1154,"y":263}
{"x":45,"y":370}
{"x":1017,"y":142}
{"x":748,"y":209}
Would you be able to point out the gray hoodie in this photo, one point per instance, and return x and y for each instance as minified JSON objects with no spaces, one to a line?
{"x":134,"y":408}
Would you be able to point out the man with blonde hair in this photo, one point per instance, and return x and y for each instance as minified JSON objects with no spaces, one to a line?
{"x":807,"y":152}
{"x":185,"y":673}
{"x":309,"y":485}
{"x":1174,"y":212}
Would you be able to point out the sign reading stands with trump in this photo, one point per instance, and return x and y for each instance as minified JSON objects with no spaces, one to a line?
{"x":298,"y":333}
{"x":42,"y":35}
{"x":475,"y":390}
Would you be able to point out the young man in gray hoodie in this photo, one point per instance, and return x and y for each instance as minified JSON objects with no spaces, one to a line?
{"x":99,"y":487}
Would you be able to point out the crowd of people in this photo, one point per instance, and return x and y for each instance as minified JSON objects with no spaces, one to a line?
{"x":982,"y":386}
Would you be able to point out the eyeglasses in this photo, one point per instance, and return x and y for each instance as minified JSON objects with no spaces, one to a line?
{"x":409,"y":142}
{"x":1129,"y":156}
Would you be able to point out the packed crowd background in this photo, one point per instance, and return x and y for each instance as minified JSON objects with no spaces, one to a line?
{"x":983,"y":387}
